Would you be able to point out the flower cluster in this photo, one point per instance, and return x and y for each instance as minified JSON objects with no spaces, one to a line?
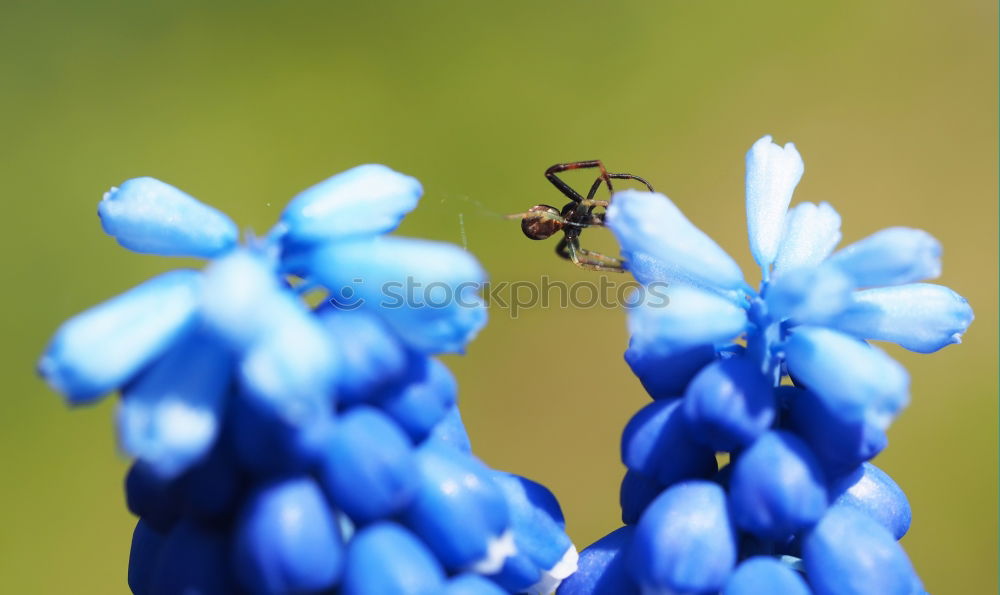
{"x":286,"y":449}
{"x":783,"y":380}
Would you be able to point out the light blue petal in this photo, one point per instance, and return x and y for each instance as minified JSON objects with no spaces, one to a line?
{"x":101,"y":349}
{"x":921,"y":317}
{"x":170,"y":416}
{"x":687,"y":317}
{"x":684,"y":542}
{"x":459,"y":511}
{"x":365,"y":200}
{"x":772,"y":174}
{"x":872,"y":491}
{"x":427,"y":292}
{"x":287,"y":539}
{"x":292,"y":369}
{"x":809,"y":295}
{"x":150,"y":216}
{"x":602,"y":567}
{"x":858,"y":381}
{"x":811,"y":233}
{"x":239,"y":298}
{"x":450,"y":431}
{"x":386,"y":558}
{"x":893,"y":256}
{"x":650,"y":224}
{"x":849,"y":553}
{"x":764,"y":574}
{"x":777,"y":487}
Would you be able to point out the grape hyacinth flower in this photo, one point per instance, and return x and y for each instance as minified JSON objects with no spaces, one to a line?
{"x":286,"y":449}
{"x":781,"y":378}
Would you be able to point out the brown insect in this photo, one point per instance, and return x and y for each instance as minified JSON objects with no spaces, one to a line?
{"x":542,"y":221}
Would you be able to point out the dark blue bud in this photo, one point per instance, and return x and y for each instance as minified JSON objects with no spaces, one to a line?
{"x":777,"y":487}
{"x":368,"y":349}
{"x":636,"y":492}
{"x":471,"y":584}
{"x":602,"y":568}
{"x":193,"y":560}
{"x":685,"y":541}
{"x":761,"y":574}
{"x":657,"y":443}
{"x":156,"y":500}
{"x":422,"y":398}
{"x":287,"y":539}
{"x":143,"y":557}
{"x":368,"y":466}
{"x":266,"y":444}
{"x":386,"y":558}
{"x":729,"y":404}
{"x":666,"y":375}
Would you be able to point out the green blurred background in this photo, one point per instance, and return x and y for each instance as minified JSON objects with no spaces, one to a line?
{"x":893,"y":106}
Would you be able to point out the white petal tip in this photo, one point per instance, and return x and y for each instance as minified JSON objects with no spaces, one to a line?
{"x":497,"y":551}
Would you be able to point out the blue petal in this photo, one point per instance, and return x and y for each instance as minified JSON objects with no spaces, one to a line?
{"x":763,"y":574}
{"x":665,"y":375}
{"x":850,"y":553}
{"x":368,"y":466}
{"x":293,"y":368}
{"x":364,"y":200}
{"x":450,"y":431}
{"x":241,"y":299}
{"x":471,"y":584}
{"x":539,"y":535}
{"x":657,"y":443}
{"x":893,"y":256}
{"x":268,"y":443}
{"x":650,"y":224}
{"x":870,"y":490}
{"x":143,"y":556}
{"x":920,"y":317}
{"x":459,"y":512}
{"x":287,"y":540}
{"x":729,"y":404}
{"x":170,"y":416}
{"x":150,"y":216}
{"x":809,"y":295}
{"x":374,"y":356}
{"x":687,"y":318}
{"x":777,"y":487}
{"x":427,"y":292}
{"x":103,"y":348}
{"x":214,"y":488}
{"x":422,"y":398}
{"x":193,"y":559}
{"x":635,"y":494}
{"x":856,"y":380}
{"x":685,"y":541}
{"x":772,"y":174}
{"x":386,"y":558}
{"x":841,"y":441}
{"x":602,"y":568}
{"x":157,"y":501}
{"x":811,"y":233}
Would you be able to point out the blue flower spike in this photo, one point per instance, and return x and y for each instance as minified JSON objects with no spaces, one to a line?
{"x":279,"y":445}
{"x":782,"y":380}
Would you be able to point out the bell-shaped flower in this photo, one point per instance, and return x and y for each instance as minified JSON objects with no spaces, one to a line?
{"x":150,"y":216}
{"x":772,"y":174}
{"x":603,"y":567}
{"x":870,"y":490}
{"x":103,"y":348}
{"x":777,"y":487}
{"x":850,"y":553}
{"x":368,"y":466}
{"x":684,"y":542}
{"x":386,"y":558}
{"x":171,"y":414}
{"x":459,"y":511}
{"x":763,"y":574}
{"x":287,"y":539}
{"x":364,"y":200}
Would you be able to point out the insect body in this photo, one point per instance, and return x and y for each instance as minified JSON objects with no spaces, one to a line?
{"x":542,"y":221}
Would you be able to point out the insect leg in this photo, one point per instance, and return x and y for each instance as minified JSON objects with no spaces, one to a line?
{"x":565,"y":188}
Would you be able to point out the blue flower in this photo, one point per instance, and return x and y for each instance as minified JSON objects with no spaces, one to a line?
{"x":281,"y":448}
{"x":783,"y":379}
